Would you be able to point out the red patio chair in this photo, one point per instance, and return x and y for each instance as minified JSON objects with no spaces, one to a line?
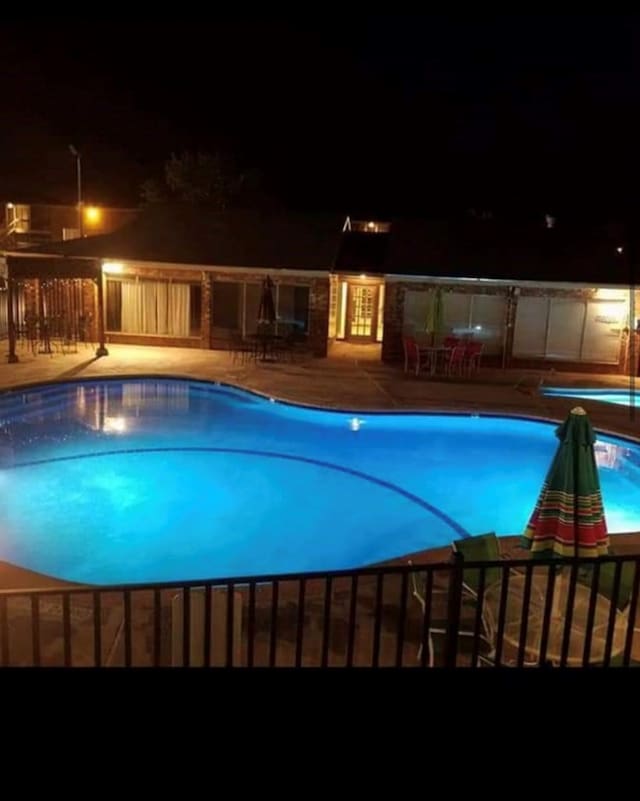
{"x":455,"y":364}
{"x":411,"y":353}
{"x":473,"y":353}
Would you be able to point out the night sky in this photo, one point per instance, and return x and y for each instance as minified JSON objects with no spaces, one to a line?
{"x":369,"y":115}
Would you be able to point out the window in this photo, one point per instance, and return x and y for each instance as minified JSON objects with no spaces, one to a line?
{"x":161,"y":308}
{"x":569,"y":329}
{"x":293,"y":307}
{"x":236,"y":306}
{"x":227,"y":304}
{"x":18,"y":218}
{"x":478,"y":317}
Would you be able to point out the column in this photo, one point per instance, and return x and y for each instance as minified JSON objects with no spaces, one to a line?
{"x":12,"y":358}
{"x":102,"y":350}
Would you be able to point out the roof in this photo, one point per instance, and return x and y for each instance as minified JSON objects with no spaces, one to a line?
{"x":183,"y":234}
{"x":506,"y":250}
{"x":362,"y":252}
{"x":464,"y":248}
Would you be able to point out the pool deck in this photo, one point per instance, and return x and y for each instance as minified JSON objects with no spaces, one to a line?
{"x":351,"y":377}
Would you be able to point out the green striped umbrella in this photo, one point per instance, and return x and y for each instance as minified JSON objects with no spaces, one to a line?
{"x":569,"y":518}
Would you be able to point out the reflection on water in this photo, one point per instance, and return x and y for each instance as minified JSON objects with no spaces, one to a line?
{"x":60,"y":413}
{"x":610,"y":455}
{"x":99,"y":405}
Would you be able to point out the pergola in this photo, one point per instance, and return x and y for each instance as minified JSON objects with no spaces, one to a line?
{"x":52,"y":268}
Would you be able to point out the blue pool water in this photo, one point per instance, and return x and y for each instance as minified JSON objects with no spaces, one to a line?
{"x":620,"y":397}
{"x":149,"y":480}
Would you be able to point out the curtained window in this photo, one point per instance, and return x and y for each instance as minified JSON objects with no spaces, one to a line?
{"x":160,"y":308}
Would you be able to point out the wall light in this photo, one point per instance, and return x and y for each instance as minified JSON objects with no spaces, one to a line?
{"x":9,"y":205}
{"x":362,"y":275}
{"x":112,"y":267}
{"x":619,"y":249}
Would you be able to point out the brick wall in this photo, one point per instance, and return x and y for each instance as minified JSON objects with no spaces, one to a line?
{"x":393,"y":320}
{"x":205,"y":320}
{"x":319,"y":297}
{"x":90,"y":306}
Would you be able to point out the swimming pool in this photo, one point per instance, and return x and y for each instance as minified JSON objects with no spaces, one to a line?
{"x":620,"y":397}
{"x":153,"y":479}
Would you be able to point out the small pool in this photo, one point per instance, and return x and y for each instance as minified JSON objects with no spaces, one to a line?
{"x":620,"y":397}
{"x":152,"y":480}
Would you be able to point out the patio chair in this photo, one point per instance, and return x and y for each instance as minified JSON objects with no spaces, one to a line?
{"x":411,"y":353}
{"x":419,"y":594}
{"x":482,"y":548}
{"x":455,"y":362}
{"x":472,"y":356}
{"x":606,"y":588}
{"x":606,"y":583}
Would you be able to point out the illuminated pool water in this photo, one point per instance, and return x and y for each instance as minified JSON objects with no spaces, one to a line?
{"x":619,"y":397}
{"x":149,"y":480}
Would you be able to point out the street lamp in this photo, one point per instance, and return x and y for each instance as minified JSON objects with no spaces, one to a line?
{"x":76,"y":154}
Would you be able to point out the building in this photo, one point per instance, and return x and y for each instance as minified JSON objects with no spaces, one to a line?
{"x":27,"y":224}
{"x":533,"y":295}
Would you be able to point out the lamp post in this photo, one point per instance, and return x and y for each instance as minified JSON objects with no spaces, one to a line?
{"x":76,"y":154}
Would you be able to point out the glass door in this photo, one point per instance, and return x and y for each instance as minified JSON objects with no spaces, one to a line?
{"x":362,"y":312}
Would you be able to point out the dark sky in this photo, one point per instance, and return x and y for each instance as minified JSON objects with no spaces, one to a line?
{"x":370,"y":115}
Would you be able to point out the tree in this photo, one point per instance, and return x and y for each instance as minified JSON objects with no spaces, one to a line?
{"x":199,"y":177}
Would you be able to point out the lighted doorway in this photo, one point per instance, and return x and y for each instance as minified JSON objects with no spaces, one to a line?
{"x":360,"y":310}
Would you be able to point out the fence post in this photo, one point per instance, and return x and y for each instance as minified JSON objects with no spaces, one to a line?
{"x":454,"y":601}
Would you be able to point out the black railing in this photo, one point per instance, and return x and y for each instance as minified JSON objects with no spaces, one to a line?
{"x":456,"y":614}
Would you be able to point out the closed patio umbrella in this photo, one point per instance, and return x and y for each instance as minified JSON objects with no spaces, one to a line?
{"x":435,"y":314}
{"x":267,"y":309}
{"x":568,"y":519}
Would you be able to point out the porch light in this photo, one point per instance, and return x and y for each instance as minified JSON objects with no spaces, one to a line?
{"x":9,"y":205}
{"x":619,"y":249}
{"x":112,"y":267}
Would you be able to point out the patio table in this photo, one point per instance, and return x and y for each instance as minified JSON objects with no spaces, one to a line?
{"x":433,"y":353}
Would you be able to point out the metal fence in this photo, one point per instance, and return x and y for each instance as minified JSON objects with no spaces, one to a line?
{"x":456,"y":614}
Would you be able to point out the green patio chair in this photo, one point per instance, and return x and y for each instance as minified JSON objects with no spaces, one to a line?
{"x":483,"y":548}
